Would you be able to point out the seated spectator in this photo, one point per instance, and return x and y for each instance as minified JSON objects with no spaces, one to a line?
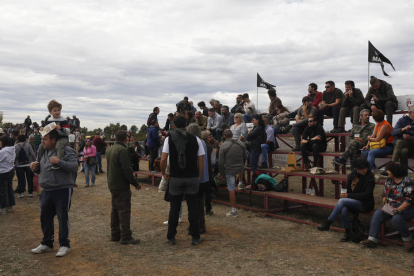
{"x":217,"y":106}
{"x":228,"y":119}
{"x":189,"y":117}
{"x":316,"y":98}
{"x":270,"y":144}
{"x":404,"y":138}
{"x":358,"y":139}
{"x":382,"y":131}
{"x":381,"y":96}
{"x":331,"y":104}
{"x":202,"y":106}
{"x":239,"y":129}
{"x":353,"y":99}
{"x":238,"y":107}
{"x":256,"y":136}
{"x":222,"y":128}
{"x":249,"y":107}
{"x":398,"y":192}
{"x":214,"y":121}
{"x":193,"y":109}
{"x":314,"y":140}
{"x":200,"y":120}
{"x":210,"y":141}
{"x":280,"y":121}
{"x":359,"y":197}
{"x":274,"y":102}
{"x":232,"y":158}
{"x":169,"y":122}
{"x":304,"y":112}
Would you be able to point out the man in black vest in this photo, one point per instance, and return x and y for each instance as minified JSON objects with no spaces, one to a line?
{"x":186,"y":155}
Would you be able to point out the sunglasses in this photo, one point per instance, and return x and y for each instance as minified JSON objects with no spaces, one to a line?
{"x":311,"y":121}
{"x":87,"y":140}
{"x":327,"y":87}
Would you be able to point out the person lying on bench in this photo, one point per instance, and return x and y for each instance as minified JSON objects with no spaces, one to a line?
{"x":314,"y":140}
{"x":358,"y":197}
{"x":397,"y":200}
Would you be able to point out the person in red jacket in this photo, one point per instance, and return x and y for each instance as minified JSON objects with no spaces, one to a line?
{"x":99,"y":144}
{"x":315,"y":95}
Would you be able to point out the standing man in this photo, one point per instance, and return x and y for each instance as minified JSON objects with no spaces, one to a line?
{"x":314,"y":140}
{"x":353,"y":99}
{"x":214,"y":121}
{"x":153,"y":143}
{"x":99,"y":144}
{"x":28,"y":123}
{"x":120,"y":176}
{"x":358,"y":139}
{"x":57,"y":193}
{"x":153,"y":115}
{"x":169,"y":122}
{"x":331,"y":104}
{"x":186,"y":155}
{"x":269,"y":145}
{"x":22,"y":165}
{"x":233,"y":155}
{"x":381,"y":96}
{"x":72,"y":140}
{"x":37,"y":140}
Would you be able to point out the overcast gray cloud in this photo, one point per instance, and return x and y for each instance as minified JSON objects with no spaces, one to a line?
{"x":113,"y":61}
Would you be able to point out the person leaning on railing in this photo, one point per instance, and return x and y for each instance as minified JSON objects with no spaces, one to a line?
{"x":380,"y":142}
{"x":358,"y":197}
{"x":398,"y":200}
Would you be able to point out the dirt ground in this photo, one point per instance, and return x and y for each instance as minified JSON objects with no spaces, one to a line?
{"x":247,"y":245}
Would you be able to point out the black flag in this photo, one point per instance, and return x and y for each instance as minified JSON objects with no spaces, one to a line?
{"x":262,"y":83}
{"x":375,"y":56}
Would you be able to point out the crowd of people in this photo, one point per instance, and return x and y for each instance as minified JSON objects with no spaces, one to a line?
{"x":197,"y":148}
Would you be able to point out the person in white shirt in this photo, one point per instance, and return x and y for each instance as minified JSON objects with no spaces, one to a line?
{"x":248,"y":106}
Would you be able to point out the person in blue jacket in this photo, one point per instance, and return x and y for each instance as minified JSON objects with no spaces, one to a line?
{"x":153,"y":142}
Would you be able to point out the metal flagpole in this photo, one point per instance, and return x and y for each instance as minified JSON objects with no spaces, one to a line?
{"x":368,"y":75}
{"x":257,"y":98}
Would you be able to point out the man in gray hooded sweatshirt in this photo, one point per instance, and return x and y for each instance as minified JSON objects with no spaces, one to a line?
{"x":57,"y":192}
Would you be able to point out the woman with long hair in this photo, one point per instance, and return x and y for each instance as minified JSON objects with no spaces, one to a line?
{"x":256,"y":138}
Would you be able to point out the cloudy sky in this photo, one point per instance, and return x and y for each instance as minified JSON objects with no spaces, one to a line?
{"x":113,"y":61}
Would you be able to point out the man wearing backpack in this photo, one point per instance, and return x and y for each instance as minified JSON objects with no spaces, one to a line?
{"x":232,"y":157}
{"x":184,"y":105}
{"x":186,"y":153}
{"x":24,"y":156}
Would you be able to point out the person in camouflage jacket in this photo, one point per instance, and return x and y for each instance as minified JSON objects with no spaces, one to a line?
{"x":358,"y":139}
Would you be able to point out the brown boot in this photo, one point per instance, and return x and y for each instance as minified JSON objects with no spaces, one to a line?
{"x":409,"y":245}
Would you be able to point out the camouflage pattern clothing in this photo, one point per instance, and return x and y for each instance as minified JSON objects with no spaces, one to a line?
{"x":352,"y":151}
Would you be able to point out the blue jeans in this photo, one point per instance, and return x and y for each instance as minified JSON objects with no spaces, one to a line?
{"x":99,"y":159}
{"x":231,"y":181}
{"x":342,"y":207}
{"x":254,"y":160}
{"x":398,"y":221}
{"x":276,"y":129}
{"x":370,"y":155}
{"x":265,"y":150}
{"x":87,"y":169}
{"x":36,"y":148}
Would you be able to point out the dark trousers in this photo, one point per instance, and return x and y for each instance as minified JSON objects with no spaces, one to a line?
{"x":297,"y":131}
{"x":388,"y":108}
{"x":316,"y":148}
{"x":99,"y":160}
{"x":207,"y":196}
{"x":330,"y":111}
{"x":52,"y":203}
{"x":403,"y":149}
{"x":175,"y":206}
{"x":121,"y":214}
{"x":22,"y":173}
{"x":153,"y":156}
{"x":6,"y":189}
{"x":202,"y":190}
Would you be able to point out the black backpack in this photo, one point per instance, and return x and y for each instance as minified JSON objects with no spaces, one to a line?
{"x":356,"y":230}
{"x":22,"y":156}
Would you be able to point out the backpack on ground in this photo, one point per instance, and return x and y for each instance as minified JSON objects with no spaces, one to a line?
{"x":264,"y":182}
{"x":22,"y":156}
{"x":281,"y":186}
{"x":356,"y":230}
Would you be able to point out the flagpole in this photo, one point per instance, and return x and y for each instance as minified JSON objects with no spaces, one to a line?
{"x":368,"y":75}
{"x":257,"y":98}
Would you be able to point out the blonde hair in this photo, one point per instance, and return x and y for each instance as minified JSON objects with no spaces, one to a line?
{"x":241,"y":116}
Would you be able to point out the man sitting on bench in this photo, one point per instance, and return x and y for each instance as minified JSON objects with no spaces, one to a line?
{"x":358,"y":139}
{"x":314,"y":140}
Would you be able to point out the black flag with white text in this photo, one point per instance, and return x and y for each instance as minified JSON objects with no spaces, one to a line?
{"x":262,"y":83}
{"x":375,"y":56}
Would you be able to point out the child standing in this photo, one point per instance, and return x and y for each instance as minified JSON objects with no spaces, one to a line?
{"x":62,"y":127}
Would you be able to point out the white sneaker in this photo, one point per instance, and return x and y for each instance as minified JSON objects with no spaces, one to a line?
{"x":241,"y":186}
{"x":232,"y":214}
{"x":3,"y":211}
{"x":30,"y":195}
{"x":41,"y":249}
{"x":63,"y":250}
{"x":10,"y":209}
{"x":21,"y":195}
{"x":166,"y":222}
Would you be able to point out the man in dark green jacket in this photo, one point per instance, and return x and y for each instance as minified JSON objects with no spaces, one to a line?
{"x":120,"y":176}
